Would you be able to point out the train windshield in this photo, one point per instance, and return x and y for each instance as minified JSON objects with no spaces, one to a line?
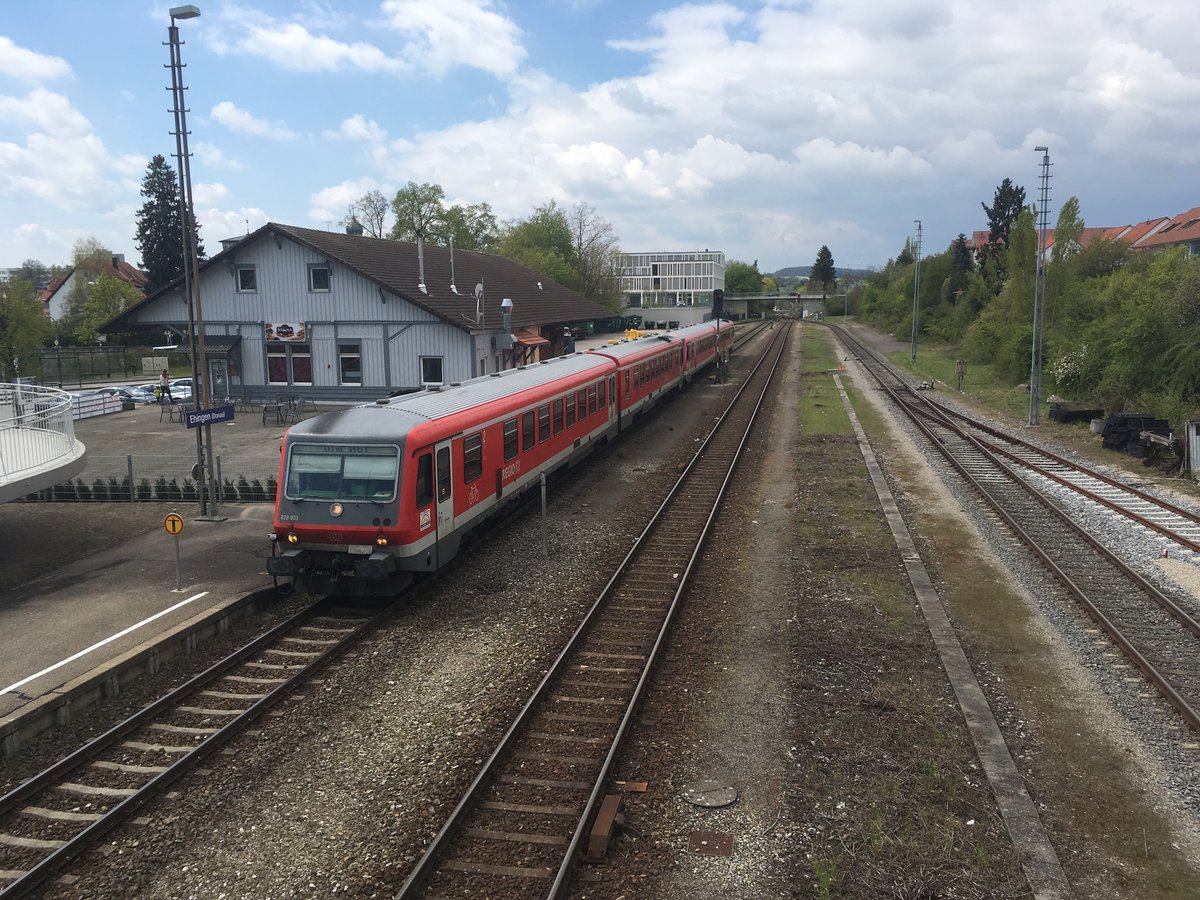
{"x":342,"y":472}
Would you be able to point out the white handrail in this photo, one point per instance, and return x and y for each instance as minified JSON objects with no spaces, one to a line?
{"x":37,"y":427}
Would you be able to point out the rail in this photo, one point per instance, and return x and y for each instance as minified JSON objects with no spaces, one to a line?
{"x":36,"y":428}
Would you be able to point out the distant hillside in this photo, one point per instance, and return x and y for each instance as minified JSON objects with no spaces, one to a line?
{"x":806,"y":271}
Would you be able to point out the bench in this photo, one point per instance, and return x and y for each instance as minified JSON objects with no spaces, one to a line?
{"x":278,"y":410}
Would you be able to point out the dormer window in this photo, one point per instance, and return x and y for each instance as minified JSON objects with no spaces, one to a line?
{"x":247,"y":280}
{"x":318,"y":277}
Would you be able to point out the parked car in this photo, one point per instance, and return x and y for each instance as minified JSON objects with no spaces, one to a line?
{"x":144,"y":393}
{"x":181,"y":383}
{"x":124,"y":391}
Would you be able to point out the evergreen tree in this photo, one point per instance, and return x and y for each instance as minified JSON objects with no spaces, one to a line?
{"x":823,"y":271}
{"x":159,"y":237}
{"x":962,"y":254}
{"x":1007,"y":204}
{"x":159,"y":234}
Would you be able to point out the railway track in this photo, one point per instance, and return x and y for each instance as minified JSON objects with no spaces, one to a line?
{"x":67,"y":808}
{"x":522,"y":823}
{"x":1161,"y":639}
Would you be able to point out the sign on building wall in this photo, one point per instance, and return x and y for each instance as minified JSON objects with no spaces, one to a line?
{"x":285,"y":331}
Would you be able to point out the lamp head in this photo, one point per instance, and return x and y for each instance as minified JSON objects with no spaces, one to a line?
{"x":189,"y":11}
{"x":1042,"y":149}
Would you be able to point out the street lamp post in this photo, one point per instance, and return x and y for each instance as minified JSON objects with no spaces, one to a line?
{"x":191,"y":270}
{"x":916,"y":293}
{"x":1039,"y":293}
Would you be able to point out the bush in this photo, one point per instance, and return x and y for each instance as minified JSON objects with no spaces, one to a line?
{"x":118,"y":490}
{"x":228,"y":492}
{"x":190,"y":491}
{"x":82,"y":491}
{"x":144,"y":491}
{"x":99,"y":489}
{"x":64,"y":491}
{"x":161,"y":491}
{"x":272,"y":488}
{"x":256,"y":490}
{"x":173,"y":491}
{"x":243,"y":489}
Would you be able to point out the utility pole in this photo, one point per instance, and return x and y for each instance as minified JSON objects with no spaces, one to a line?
{"x":916,"y":293}
{"x":1039,"y":292}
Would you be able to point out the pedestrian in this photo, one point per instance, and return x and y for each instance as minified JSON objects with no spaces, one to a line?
{"x":164,"y":387}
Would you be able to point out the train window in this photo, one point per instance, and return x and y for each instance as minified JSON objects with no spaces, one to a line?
{"x":591,"y":395}
{"x":342,"y":472}
{"x":510,"y":440}
{"x":582,"y":395}
{"x":570,"y":410}
{"x":527,"y":431}
{"x":558,"y":416}
{"x":443,"y":475}
{"x":543,"y":423}
{"x":472,"y":457}
{"x":601,"y":392}
{"x":627,"y":385}
{"x":424,"y":480}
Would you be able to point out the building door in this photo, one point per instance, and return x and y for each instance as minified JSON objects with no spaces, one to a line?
{"x":218,"y":380}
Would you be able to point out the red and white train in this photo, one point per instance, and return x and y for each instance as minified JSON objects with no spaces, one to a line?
{"x":372,"y":494}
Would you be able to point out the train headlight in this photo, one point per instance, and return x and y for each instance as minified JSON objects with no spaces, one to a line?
{"x":381,"y":541}
{"x":336,"y":510}
{"x":293,"y":538}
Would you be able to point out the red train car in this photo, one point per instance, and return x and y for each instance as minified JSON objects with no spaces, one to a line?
{"x":371,"y":494}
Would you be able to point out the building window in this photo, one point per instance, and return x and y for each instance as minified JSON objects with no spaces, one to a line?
{"x":247,"y":280}
{"x":350,"y":362}
{"x":318,"y":277}
{"x":289,"y":363}
{"x":431,"y":370}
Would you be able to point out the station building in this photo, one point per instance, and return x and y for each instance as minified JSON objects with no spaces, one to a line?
{"x":339,"y":316}
{"x":671,"y":278}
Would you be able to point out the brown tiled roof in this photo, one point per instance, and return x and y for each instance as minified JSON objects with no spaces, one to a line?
{"x":393,"y":265}
{"x":1182,"y":228}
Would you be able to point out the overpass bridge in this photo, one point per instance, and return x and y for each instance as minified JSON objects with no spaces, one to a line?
{"x":37,"y":440}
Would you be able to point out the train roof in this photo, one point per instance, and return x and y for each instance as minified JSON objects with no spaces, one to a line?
{"x":638,"y":346}
{"x":395,"y":415}
{"x":690,"y":331}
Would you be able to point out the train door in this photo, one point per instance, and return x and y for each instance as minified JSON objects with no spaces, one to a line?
{"x":444,"y":496}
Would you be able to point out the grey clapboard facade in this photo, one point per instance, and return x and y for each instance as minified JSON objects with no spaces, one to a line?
{"x":334,"y":317}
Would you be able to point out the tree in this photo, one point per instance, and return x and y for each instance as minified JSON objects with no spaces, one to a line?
{"x":472,"y":227}
{"x":23,"y":328}
{"x":35,"y":273}
{"x":963,"y":260}
{"x":370,"y":211}
{"x":544,"y":242}
{"x":419,"y":212}
{"x":908,"y":255}
{"x":596,"y":257}
{"x":159,"y":236}
{"x":823,"y":271}
{"x":742,"y":278}
{"x":1006,"y":206}
{"x":107,"y":299}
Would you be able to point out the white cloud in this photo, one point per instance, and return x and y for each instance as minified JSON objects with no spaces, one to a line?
{"x":235,"y":119}
{"x":212,"y":155}
{"x":454,"y":33}
{"x":28,"y":65}
{"x":330,"y":204}
{"x":220,"y":224}
{"x":209,"y":193}
{"x":358,"y":128}
{"x":45,"y":111}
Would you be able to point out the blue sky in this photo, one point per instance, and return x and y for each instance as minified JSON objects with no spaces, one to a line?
{"x":764,"y":129}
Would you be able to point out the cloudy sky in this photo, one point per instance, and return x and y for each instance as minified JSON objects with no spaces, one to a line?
{"x":764,"y":129}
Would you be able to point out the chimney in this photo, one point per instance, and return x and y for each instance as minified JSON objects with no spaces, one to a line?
{"x":504,"y":340}
{"x":117,"y":259}
{"x":421,"y":265}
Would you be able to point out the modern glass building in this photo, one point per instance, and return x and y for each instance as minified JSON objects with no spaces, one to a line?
{"x":685,"y":278}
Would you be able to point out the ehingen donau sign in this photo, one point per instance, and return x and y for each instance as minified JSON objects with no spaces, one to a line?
{"x":209,"y":416}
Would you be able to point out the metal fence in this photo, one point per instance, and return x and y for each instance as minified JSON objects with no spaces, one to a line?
{"x":140,"y":478}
